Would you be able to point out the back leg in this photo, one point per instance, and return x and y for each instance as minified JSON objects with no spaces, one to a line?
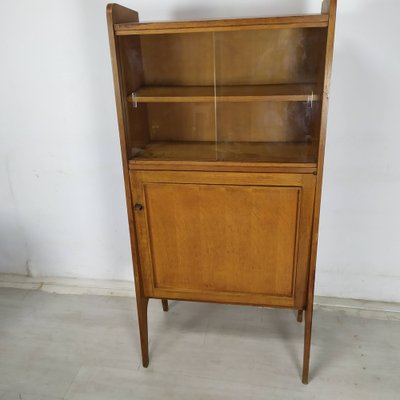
{"x":299,"y":315}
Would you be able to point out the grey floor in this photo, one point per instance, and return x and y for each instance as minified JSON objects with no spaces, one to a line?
{"x":86,"y":347}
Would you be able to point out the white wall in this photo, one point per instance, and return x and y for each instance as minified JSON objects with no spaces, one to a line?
{"x":62,"y":210}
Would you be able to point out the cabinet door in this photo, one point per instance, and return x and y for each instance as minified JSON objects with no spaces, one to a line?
{"x":224,"y":237}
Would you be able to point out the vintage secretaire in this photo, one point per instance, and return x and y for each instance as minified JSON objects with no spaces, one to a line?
{"x":222,"y":126}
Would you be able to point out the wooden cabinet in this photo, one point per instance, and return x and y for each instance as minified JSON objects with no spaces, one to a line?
{"x":225,"y":237}
{"x":222,"y":128}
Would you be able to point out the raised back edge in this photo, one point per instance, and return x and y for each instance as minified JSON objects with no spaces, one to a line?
{"x":120,"y":14}
{"x":328,"y":7}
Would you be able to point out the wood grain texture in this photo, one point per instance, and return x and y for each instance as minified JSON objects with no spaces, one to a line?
{"x":274,"y":152}
{"x":224,"y":236}
{"x":222,"y":166}
{"x":175,"y":59}
{"x":189,"y":81}
{"x":247,"y":122}
{"x":264,"y":122}
{"x":132,"y":78}
{"x":181,"y":121}
{"x":282,"y":56}
{"x":309,"y":21}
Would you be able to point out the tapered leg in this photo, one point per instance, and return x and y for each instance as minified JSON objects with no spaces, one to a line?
{"x":299,"y":315}
{"x":164,"y":304}
{"x":142,"y":303}
{"x":307,"y":342}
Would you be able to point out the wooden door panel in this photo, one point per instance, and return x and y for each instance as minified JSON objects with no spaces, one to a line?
{"x":221,"y":236}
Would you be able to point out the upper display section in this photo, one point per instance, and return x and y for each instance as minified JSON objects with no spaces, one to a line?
{"x":247,"y":90}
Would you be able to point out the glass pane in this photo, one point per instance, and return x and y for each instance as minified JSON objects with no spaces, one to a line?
{"x":246,"y":95}
{"x":170,"y":96}
{"x":267,"y":94}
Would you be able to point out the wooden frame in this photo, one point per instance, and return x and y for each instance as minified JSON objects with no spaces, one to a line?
{"x":302,"y":172}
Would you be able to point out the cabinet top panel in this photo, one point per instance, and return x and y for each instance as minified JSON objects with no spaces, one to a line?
{"x":143,"y":28}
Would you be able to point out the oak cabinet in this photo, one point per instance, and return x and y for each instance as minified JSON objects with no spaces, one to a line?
{"x":224,"y":237}
{"x":222,"y":128}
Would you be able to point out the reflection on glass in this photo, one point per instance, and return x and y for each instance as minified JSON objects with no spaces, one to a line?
{"x":248,"y":95}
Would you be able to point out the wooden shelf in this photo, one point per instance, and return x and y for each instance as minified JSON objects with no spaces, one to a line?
{"x":303,"y":21}
{"x":242,"y":93}
{"x":271,"y":152}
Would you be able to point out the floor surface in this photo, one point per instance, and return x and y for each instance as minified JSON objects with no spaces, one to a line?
{"x":80,"y":347}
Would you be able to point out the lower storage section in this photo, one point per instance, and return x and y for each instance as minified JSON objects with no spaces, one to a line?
{"x":225,"y":237}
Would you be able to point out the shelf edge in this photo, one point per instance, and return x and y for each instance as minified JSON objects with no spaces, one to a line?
{"x":175,"y":165}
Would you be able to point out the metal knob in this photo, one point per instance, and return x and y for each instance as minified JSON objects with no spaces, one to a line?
{"x":138,"y":207}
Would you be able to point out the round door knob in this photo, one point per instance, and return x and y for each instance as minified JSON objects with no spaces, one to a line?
{"x":138,"y":207}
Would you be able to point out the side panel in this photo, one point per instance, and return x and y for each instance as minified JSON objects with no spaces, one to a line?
{"x":224,"y":237}
{"x":119,"y":14}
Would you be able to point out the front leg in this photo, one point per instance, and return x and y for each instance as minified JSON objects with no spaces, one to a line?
{"x":142,"y":303}
{"x":307,"y":342}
